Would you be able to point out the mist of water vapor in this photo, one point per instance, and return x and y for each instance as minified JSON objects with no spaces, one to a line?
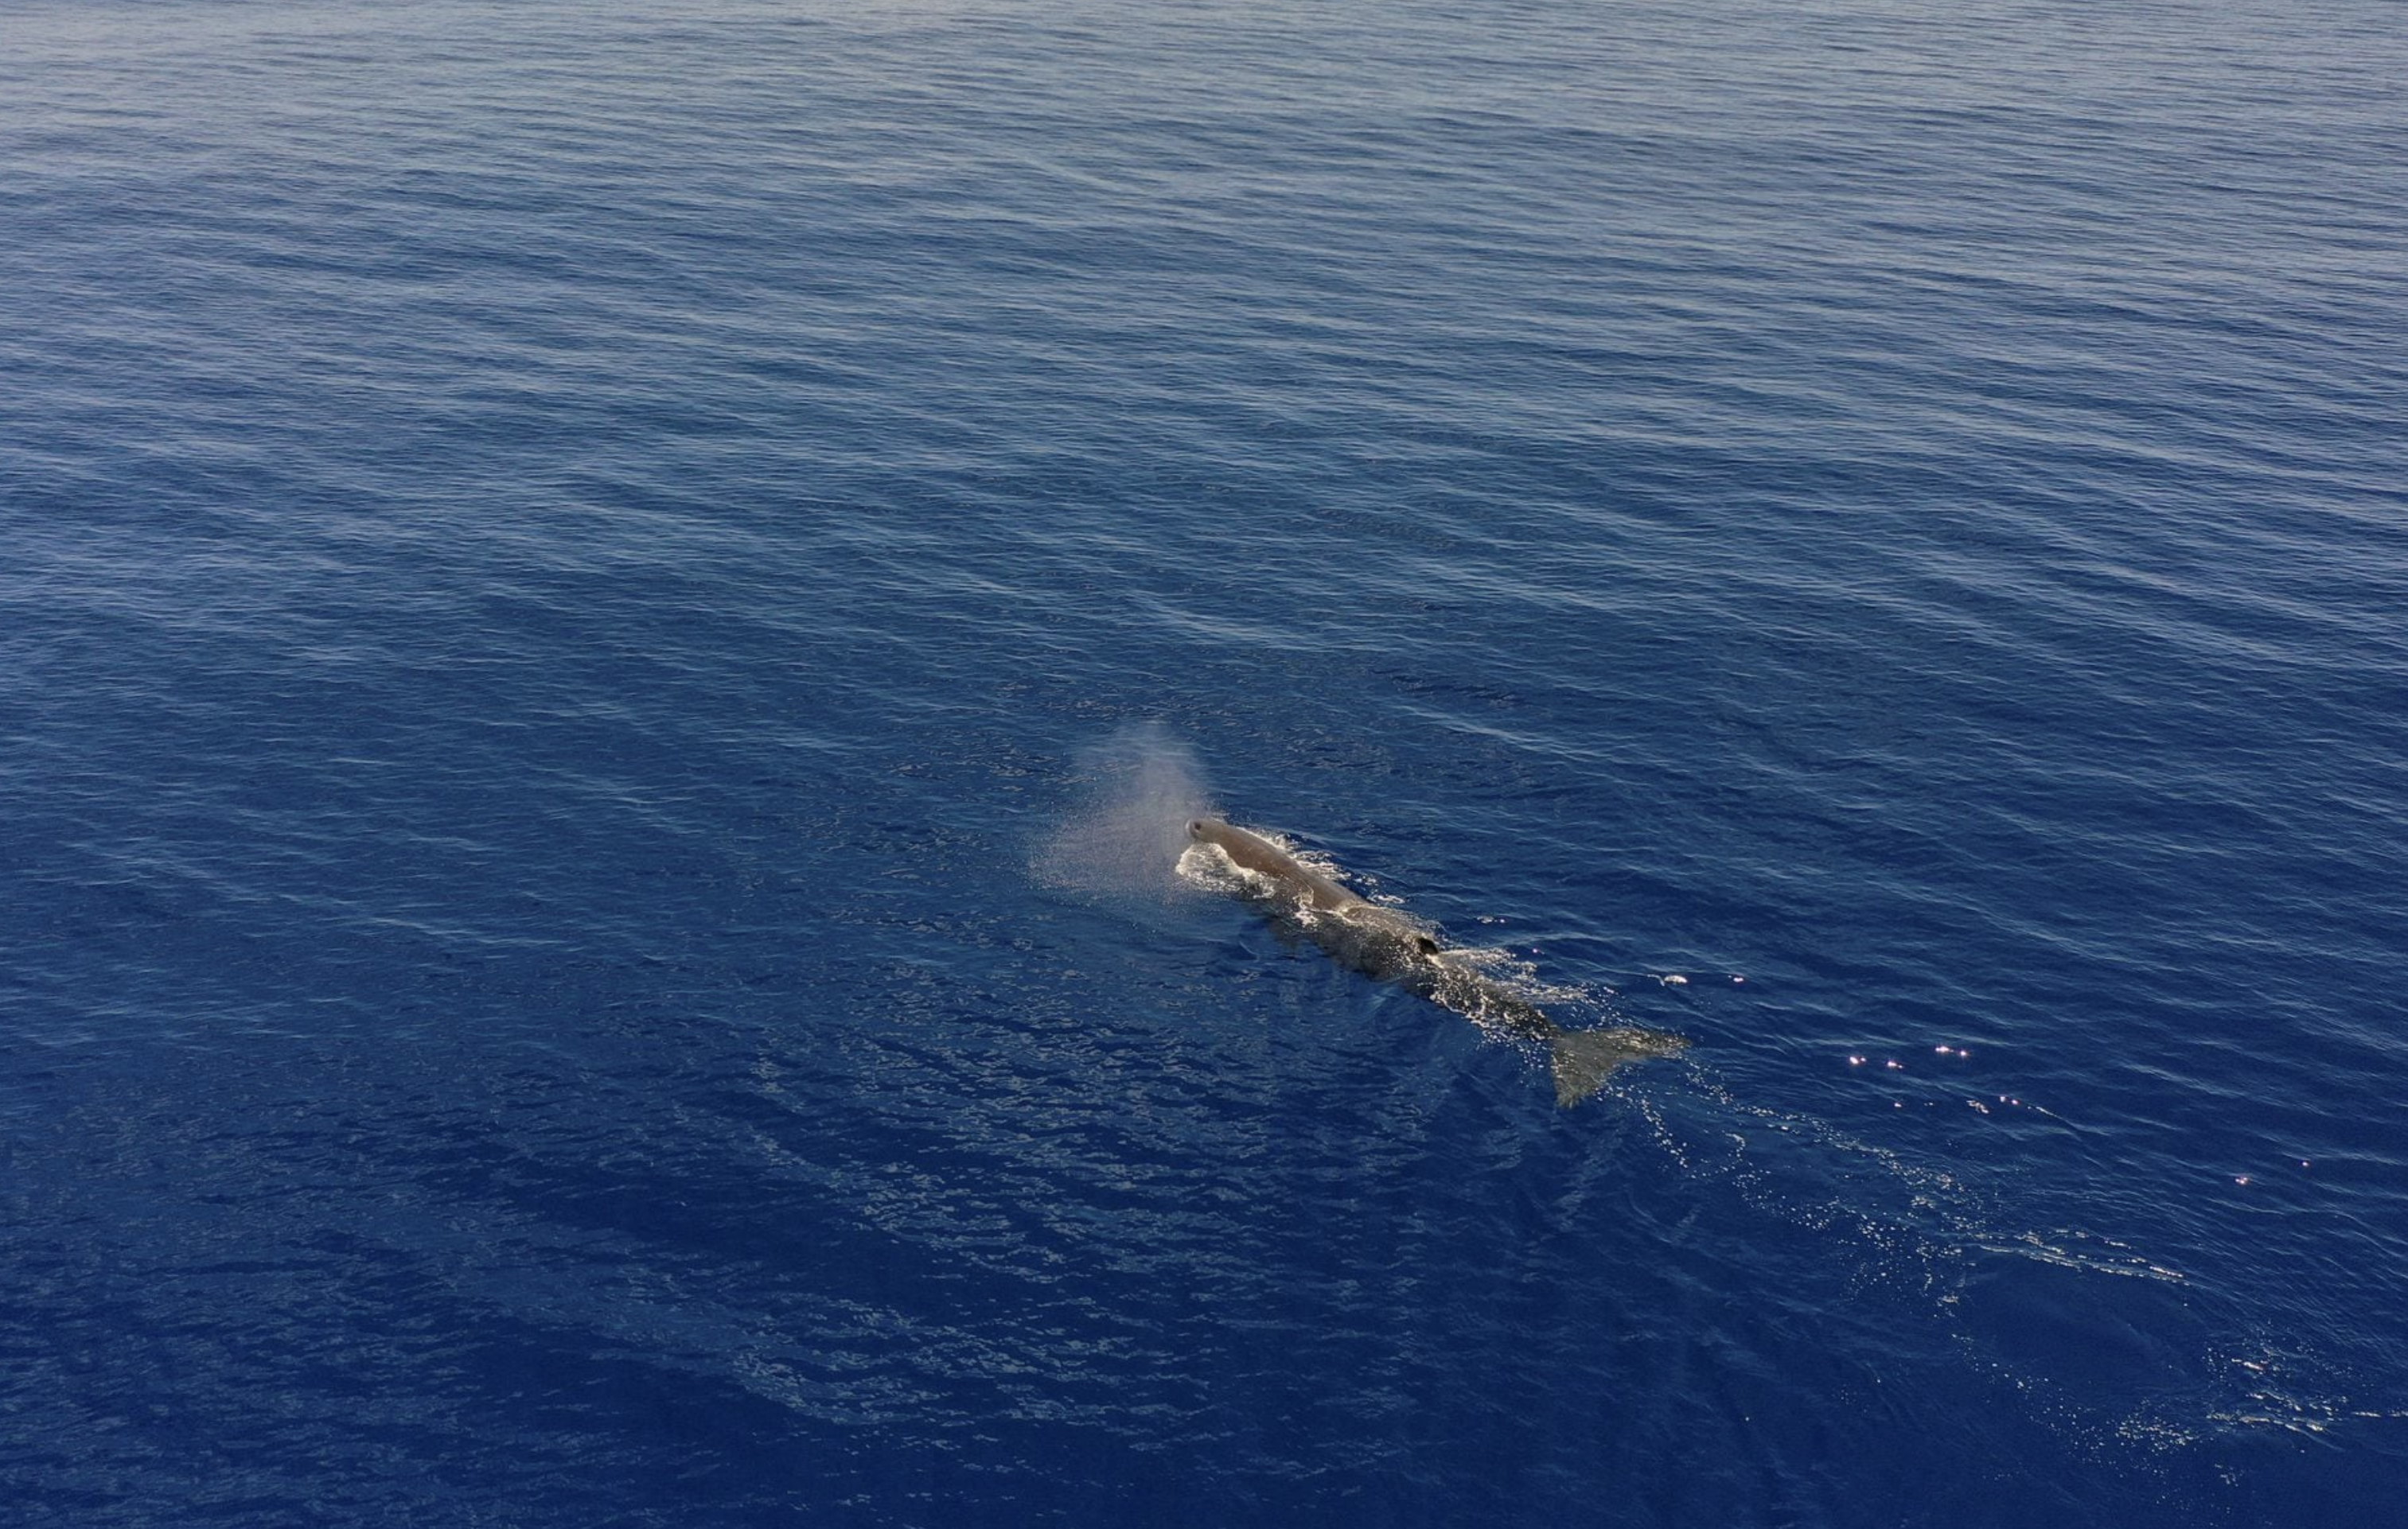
{"x":1122,"y":839}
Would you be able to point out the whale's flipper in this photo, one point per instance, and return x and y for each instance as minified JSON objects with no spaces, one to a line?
{"x":1584,"y":1059}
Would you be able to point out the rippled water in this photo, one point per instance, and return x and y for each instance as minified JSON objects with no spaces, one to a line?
{"x":605,"y":617}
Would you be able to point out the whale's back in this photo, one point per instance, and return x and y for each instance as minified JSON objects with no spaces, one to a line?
{"x":1252,"y":852}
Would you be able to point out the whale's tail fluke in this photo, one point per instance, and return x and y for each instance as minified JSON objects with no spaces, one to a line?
{"x":1584,"y":1059}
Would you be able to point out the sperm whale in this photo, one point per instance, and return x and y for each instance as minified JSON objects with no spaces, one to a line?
{"x":1386,"y":944}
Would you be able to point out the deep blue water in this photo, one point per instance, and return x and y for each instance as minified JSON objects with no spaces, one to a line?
{"x":602,"y":608}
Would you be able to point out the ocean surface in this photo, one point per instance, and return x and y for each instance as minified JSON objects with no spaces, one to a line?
{"x":609,"y":615}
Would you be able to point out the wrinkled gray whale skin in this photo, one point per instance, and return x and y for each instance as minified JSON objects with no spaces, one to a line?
{"x":1384,"y":943}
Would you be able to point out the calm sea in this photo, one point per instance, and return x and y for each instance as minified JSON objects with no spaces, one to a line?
{"x":608,"y":613}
